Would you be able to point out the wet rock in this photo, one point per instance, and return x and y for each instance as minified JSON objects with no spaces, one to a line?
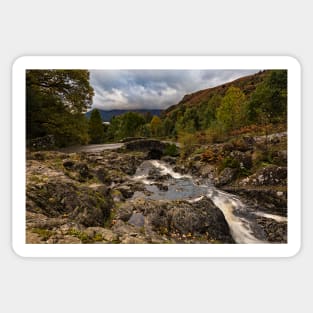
{"x":137,"y":219}
{"x":226,"y":176}
{"x":155,"y":174}
{"x":180,"y":168}
{"x":275,"y":231}
{"x":169,"y":159}
{"x":266,"y":199}
{"x":161,"y":186}
{"x":129,"y":165}
{"x":201,"y":218}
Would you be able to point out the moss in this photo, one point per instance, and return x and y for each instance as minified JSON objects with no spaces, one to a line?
{"x":97,"y":237}
{"x":45,"y":234}
{"x":78,"y":234}
{"x":35,"y":179}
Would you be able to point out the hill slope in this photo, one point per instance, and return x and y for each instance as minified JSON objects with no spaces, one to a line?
{"x":247,"y":84}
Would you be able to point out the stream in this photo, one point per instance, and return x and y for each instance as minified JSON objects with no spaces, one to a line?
{"x":162,"y":182}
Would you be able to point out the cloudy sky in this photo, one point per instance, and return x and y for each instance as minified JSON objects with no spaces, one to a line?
{"x":153,"y":89}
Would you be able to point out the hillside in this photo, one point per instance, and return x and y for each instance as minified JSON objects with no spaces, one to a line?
{"x":107,"y":115}
{"x":247,"y":84}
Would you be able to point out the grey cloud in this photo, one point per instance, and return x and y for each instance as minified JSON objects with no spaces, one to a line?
{"x":130,"y":89}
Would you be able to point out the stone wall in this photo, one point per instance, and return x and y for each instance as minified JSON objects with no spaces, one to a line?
{"x":42,"y":143}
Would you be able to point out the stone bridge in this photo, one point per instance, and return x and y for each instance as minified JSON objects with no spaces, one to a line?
{"x":155,"y":148}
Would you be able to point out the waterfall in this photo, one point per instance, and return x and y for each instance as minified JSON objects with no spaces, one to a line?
{"x":184,"y":187}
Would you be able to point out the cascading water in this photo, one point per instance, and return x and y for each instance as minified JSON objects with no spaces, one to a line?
{"x":241,"y":219}
{"x":239,"y":227}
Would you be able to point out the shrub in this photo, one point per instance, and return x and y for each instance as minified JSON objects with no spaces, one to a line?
{"x":209,"y":156}
{"x":216,"y":133}
{"x":188,"y":144}
{"x":171,"y":150}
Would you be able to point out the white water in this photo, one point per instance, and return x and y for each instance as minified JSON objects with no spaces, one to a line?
{"x":239,"y":226}
{"x":277,"y":218}
{"x":166,"y":169}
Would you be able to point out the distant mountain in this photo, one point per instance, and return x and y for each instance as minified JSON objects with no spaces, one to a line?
{"x":107,"y":115}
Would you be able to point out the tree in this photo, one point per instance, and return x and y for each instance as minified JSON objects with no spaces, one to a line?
{"x":269,"y":99}
{"x":55,"y":104}
{"x":95,"y":128}
{"x":209,"y":115}
{"x":129,"y":124}
{"x":70,"y":86}
{"x":232,"y":111}
{"x":156,"y":126}
{"x":168,"y":126}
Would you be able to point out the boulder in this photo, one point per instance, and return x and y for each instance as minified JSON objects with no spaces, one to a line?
{"x":169,"y":159}
{"x":263,"y":199}
{"x":161,"y":186}
{"x":226,"y":176}
{"x":68,"y":164}
{"x":272,"y":175}
{"x":78,"y":203}
{"x":137,"y":219}
{"x":243,"y":159}
{"x":199,"y":219}
{"x":83,"y":170}
{"x":275,"y":231}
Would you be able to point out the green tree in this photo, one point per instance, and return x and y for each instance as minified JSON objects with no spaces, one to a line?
{"x":232,"y":111}
{"x":156,"y":126}
{"x":209,"y":115}
{"x":70,"y":86}
{"x":55,"y":104}
{"x":95,"y":127}
{"x":168,"y":126}
{"x":269,"y":100}
{"x":130,"y":124}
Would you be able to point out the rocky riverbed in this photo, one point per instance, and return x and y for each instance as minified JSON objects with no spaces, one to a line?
{"x":126,"y":197}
